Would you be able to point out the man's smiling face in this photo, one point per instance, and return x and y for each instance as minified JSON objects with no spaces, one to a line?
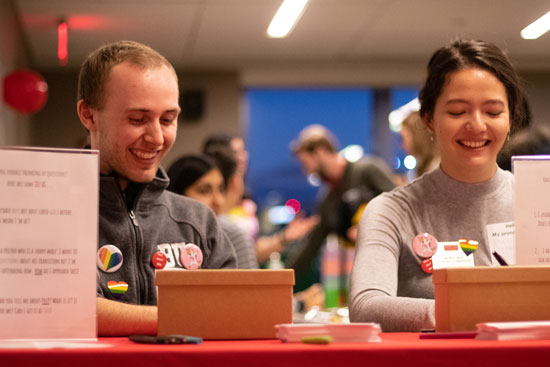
{"x":137,"y":125}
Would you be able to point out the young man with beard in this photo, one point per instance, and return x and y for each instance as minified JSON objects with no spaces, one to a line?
{"x":349,"y":185}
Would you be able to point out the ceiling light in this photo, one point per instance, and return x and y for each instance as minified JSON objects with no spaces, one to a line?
{"x":537,"y":28}
{"x":286,"y":17}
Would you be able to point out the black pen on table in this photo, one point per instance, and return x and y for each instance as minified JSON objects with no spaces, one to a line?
{"x":500,"y":259}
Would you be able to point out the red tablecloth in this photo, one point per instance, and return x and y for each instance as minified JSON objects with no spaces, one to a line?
{"x":403,"y":349}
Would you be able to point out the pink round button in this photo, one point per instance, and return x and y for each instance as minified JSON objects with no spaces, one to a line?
{"x":159,"y":260}
{"x":191,"y":256}
{"x":425,"y":245}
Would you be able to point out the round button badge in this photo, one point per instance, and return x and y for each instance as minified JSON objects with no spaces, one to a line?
{"x":159,"y":260}
{"x":191,"y":256}
{"x":109,"y":258}
{"x":425,"y":245}
{"x":427,"y":265}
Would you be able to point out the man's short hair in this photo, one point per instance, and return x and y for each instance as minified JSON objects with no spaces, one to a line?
{"x":313,"y":137}
{"x":97,"y":66}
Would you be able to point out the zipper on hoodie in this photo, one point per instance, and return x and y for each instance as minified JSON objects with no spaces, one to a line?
{"x":139,"y":250}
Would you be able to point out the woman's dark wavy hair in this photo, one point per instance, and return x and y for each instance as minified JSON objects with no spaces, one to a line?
{"x":187,"y":170}
{"x":461,"y":54}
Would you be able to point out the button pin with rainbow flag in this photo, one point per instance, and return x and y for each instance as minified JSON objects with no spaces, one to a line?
{"x":468,"y":246}
{"x":109,"y":258}
{"x":118,"y":289}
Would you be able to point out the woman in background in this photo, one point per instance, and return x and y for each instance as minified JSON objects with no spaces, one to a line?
{"x":470,"y":102}
{"x":420,"y":143}
{"x":204,"y":179}
{"x":199,"y":178}
{"x":224,"y":147}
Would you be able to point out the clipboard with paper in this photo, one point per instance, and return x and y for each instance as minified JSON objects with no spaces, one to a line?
{"x":48,"y":221}
{"x":532,"y":209}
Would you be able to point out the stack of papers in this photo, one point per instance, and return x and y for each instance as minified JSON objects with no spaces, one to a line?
{"x":516,"y":330}
{"x":344,"y":333}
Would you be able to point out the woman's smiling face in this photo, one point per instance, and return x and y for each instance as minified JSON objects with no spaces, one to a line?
{"x":208,"y":190}
{"x":471,"y":121}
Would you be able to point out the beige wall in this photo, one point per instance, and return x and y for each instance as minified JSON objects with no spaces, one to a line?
{"x":222,"y":111}
{"x":57,"y":124}
{"x":538,"y":90}
{"x":14,"y":127}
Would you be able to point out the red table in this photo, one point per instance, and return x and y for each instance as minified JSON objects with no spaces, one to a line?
{"x":397,"y":349}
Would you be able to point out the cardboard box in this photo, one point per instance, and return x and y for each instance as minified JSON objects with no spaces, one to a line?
{"x":224,"y":304}
{"x":467,"y":296}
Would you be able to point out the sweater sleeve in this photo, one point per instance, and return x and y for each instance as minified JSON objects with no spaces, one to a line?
{"x":374,"y":280}
{"x":243,"y":244}
{"x":221,"y":253}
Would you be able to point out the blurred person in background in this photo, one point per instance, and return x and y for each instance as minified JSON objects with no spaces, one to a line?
{"x":200,"y":178}
{"x":243,"y":210}
{"x":419,"y":142}
{"x":534,"y":140}
{"x":204,"y":178}
{"x":349,"y":185}
{"x":224,"y":143}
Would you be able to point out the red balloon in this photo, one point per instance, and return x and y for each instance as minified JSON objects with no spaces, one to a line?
{"x":25,"y":91}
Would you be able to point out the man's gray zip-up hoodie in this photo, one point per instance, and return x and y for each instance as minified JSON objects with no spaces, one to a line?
{"x":159,"y":221}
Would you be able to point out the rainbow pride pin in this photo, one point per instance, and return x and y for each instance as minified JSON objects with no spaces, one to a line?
{"x":109,"y":258}
{"x":468,"y":246}
{"x":118,"y":289}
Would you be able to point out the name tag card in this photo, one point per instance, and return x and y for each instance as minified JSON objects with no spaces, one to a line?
{"x":532,"y":209}
{"x":450,"y":255}
{"x":48,"y":226}
{"x":501,"y":238}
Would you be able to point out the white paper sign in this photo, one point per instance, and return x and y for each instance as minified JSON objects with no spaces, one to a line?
{"x":501,"y":238}
{"x":48,"y":227}
{"x":450,"y":255}
{"x":532,"y":209}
